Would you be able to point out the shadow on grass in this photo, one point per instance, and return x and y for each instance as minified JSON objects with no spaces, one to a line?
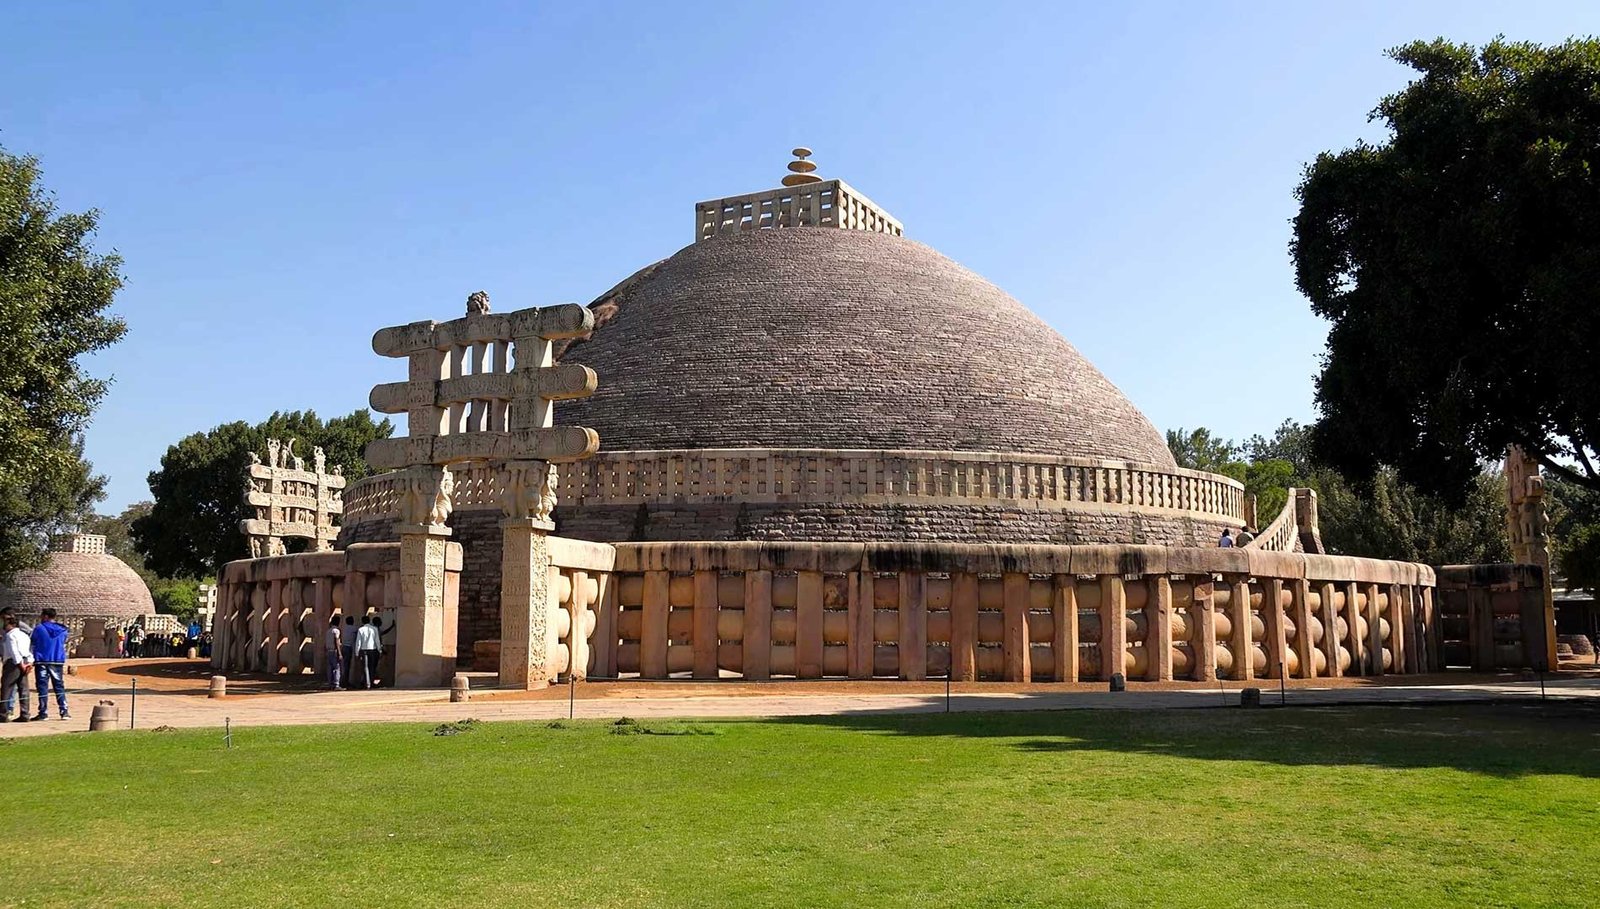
{"x":1496,"y":739}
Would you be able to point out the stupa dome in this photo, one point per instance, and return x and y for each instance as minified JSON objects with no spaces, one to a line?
{"x":814,"y":337}
{"x":81,"y":580}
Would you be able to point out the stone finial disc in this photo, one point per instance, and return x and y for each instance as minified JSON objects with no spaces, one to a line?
{"x":801,"y":179}
{"x":801,"y":152}
{"x":802,"y":167}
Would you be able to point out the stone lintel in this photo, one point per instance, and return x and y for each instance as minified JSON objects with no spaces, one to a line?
{"x":289,"y":474}
{"x":554,"y":383}
{"x":255,"y":527}
{"x":284,"y":500}
{"x":556,"y":443}
{"x":566,"y":320}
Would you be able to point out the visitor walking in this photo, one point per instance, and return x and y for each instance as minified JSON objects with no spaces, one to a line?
{"x":370,"y":643}
{"x":49,"y":643}
{"x":135,"y":641}
{"x":1227,"y":539}
{"x":1246,"y":536}
{"x":347,"y":649}
{"x":17,"y":651}
{"x":334,"y":652}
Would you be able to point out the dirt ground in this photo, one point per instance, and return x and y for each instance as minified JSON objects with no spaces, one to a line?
{"x":181,"y":676}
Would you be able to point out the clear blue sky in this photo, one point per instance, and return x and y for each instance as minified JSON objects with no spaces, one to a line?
{"x":282,"y":179}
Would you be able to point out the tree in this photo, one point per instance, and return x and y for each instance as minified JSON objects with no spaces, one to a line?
{"x":1379,"y":517}
{"x":1200,"y":450}
{"x":1387,"y":518}
{"x":1459,"y":264}
{"x":178,"y":597}
{"x":1264,"y":478}
{"x":1574,"y":532}
{"x":193,"y":527}
{"x":117,"y":529}
{"x":54,"y":292}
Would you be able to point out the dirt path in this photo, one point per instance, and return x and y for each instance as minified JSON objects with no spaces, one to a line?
{"x":173,"y":693}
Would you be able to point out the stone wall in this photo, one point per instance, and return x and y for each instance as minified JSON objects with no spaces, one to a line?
{"x":874,"y":523}
{"x":478,"y":532}
{"x":1003,"y":612}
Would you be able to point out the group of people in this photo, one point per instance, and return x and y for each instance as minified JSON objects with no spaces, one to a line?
{"x":353,"y":647}
{"x":40,"y":651}
{"x":1229,"y":541}
{"x":136,"y":643}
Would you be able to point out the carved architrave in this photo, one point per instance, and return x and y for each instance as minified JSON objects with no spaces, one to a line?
{"x":289,"y":501}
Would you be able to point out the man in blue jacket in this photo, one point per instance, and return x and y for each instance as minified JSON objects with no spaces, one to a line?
{"x":50,"y":662}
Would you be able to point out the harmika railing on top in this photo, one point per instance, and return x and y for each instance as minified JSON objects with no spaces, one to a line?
{"x":800,"y":475}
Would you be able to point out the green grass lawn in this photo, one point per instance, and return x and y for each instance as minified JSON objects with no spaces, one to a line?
{"x":1370,"y":807}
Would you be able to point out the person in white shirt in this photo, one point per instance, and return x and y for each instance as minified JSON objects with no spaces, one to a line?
{"x":18,"y":653}
{"x":369,"y":643}
{"x":333,"y":652}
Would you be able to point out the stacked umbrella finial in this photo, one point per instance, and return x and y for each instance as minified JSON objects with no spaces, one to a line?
{"x":801,"y":171}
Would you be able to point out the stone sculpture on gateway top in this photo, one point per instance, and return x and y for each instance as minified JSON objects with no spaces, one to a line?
{"x":291,"y":502}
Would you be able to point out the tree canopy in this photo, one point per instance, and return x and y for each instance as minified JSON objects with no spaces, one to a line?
{"x":1381,"y":516}
{"x":1459,"y":264}
{"x":1574,"y":532}
{"x":54,"y":293}
{"x":193,"y":526}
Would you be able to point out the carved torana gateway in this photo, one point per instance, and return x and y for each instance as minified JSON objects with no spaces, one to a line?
{"x":482,"y":389}
{"x":291,"y":501}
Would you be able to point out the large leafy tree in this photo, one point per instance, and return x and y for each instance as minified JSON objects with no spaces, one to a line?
{"x":1459,"y":264}
{"x":1264,"y":475}
{"x":1574,"y":532}
{"x":117,"y":529}
{"x":1381,"y":516}
{"x":54,"y":293}
{"x":193,"y":526}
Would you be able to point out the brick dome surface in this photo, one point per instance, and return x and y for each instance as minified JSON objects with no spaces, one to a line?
{"x":80,"y":584}
{"x":832,"y":338}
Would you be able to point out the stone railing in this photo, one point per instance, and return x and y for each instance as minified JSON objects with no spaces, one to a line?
{"x":1495,"y":616}
{"x":1018,"y":613}
{"x":822,"y":475}
{"x":1284,"y":531}
{"x":375,"y":497}
{"x":583,"y":578}
{"x":830,"y":203}
{"x":272,"y":613}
